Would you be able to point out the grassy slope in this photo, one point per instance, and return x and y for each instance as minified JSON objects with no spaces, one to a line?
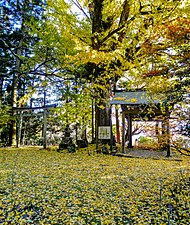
{"x":46,"y":187}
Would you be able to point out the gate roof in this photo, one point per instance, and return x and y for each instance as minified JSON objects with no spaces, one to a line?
{"x":133,"y":98}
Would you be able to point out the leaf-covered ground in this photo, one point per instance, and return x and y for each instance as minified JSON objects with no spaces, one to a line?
{"x":47,"y":187}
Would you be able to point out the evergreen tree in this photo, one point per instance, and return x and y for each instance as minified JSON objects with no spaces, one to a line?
{"x":16,"y":49}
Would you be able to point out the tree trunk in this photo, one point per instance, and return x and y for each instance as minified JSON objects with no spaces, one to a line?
{"x":13,"y":136}
{"x":100,"y":26}
{"x":102,"y":118}
{"x":19,"y":129}
{"x":1,"y":89}
{"x":13,"y":139}
{"x":45,"y":129}
{"x":103,"y":115}
{"x":14,"y":94}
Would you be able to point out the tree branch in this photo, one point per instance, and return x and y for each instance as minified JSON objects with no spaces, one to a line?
{"x":9,"y":48}
{"x":118,"y":29}
{"x":78,"y":5}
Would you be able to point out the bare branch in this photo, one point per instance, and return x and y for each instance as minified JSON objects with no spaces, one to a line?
{"x":9,"y":48}
{"x":78,"y":5}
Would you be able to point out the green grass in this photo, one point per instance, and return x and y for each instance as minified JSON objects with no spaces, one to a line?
{"x":47,"y":187}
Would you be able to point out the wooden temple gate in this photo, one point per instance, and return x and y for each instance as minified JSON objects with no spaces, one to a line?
{"x":137,"y":105}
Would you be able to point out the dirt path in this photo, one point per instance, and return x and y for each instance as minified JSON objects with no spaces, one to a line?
{"x":138,"y":153}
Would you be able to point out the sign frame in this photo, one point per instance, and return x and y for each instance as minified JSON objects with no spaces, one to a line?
{"x":104,"y":132}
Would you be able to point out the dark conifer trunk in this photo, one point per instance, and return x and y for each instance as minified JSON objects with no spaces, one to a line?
{"x":1,"y":89}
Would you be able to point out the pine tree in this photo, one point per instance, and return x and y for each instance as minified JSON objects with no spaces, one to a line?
{"x":16,"y":49}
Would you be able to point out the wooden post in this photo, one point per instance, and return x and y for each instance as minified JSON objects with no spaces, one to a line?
{"x":76,"y":131}
{"x":92,"y":120}
{"x":163,"y":136}
{"x":129,"y":120}
{"x":96,"y":128}
{"x":168,"y":134}
{"x":19,"y":130}
{"x":123,"y":131}
{"x":111,"y":132}
{"x":157,"y":132}
{"x":117,"y":125}
{"x":156,"y":129}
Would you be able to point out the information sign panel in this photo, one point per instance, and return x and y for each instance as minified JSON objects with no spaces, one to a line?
{"x":104,"y":132}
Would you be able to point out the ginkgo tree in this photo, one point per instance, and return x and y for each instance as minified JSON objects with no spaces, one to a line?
{"x":101,"y":39}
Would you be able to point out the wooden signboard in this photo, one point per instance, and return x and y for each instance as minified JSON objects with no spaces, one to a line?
{"x":104,"y":132}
